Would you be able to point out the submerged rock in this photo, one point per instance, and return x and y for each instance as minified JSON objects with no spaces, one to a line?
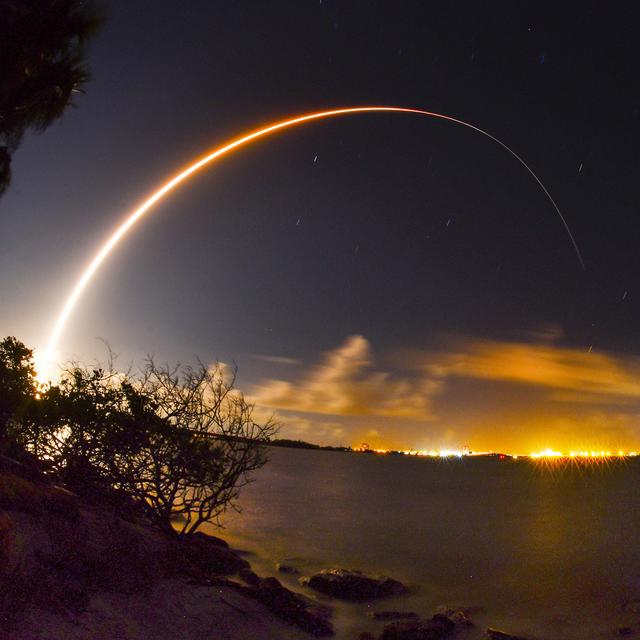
{"x":352,"y":585}
{"x":437,"y":628}
{"x":457,"y":615}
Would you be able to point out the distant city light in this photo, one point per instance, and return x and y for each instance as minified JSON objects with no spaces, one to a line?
{"x":544,"y":454}
{"x":586,"y":454}
{"x":547,"y":453}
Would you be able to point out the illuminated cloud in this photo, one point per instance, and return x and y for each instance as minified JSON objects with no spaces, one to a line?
{"x":345,"y":383}
{"x":317,"y":431}
{"x":575,"y":374}
{"x":519,"y":395}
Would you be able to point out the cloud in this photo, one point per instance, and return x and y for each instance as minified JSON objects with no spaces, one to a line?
{"x":317,"y":431}
{"x":520,"y":394}
{"x":573,"y":373}
{"x":345,"y":383}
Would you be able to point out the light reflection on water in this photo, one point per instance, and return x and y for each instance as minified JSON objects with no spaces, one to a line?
{"x":548,"y":551}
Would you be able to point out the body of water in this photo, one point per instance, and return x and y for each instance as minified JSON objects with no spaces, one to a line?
{"x":548,"y":551}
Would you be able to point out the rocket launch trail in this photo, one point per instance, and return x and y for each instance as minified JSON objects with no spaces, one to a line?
{"x":236,"y":144}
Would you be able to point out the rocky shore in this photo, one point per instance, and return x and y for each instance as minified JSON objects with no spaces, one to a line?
{"x":75,"y":570}
{"x":70,"y":569}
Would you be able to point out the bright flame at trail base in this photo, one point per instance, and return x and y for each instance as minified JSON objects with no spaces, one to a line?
{"x":171,"y":184}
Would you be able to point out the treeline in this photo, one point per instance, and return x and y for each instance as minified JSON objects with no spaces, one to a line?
{"x":177,"y":442}
{"x":301,"y":444}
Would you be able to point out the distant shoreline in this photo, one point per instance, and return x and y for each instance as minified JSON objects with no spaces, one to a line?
{"x":581,"y":458}
{"x":301,"y":444}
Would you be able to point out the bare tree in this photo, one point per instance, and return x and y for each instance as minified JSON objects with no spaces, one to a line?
{"x":209,"y":446}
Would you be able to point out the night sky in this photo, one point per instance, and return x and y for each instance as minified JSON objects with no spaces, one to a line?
{"x":382,"y":277}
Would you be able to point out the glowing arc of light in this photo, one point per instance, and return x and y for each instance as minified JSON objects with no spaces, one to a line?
{"x":121,"y":230}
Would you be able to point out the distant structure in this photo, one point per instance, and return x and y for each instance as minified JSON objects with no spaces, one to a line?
{"x":365,"y":446}
{"x":465,"y":450}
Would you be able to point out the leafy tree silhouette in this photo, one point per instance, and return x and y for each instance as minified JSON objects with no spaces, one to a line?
{"x":17,"y":381}
{"x":42,"y":64}
{"x":175,"y":442}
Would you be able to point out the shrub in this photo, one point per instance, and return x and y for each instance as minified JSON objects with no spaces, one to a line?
{"x":17,"y":382}
{"x":181,"y":440}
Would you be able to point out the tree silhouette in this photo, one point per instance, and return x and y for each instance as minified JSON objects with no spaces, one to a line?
{"x":182,"y":441}
{"x":42,"y":45}
{"x":17,"y":381}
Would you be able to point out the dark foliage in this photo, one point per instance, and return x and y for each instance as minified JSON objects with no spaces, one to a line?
{"x":177,"y":442}
{"x":301,"y":444}
{"x":180,"y":442}
{"x":17,"y":382}
{"x":42,"y":46}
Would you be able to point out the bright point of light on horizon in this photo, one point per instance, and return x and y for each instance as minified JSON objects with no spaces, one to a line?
{"x":586,"y":454}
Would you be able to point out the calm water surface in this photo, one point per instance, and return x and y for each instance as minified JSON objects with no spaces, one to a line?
{"x":551,"y":552}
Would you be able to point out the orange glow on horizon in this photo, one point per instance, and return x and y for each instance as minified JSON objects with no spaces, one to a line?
{"x":545,"y":455}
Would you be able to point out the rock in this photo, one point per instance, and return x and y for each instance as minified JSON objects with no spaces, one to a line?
{"x":459,"y":616}
{"x":443,"y":621}
{"x":437,"y":628}
{"x":494,"y":634}
{"x":57,"y":550}
{"x":392,"y":615}
{"x":291,"y":607}
{"x":272,"y":583}
{"x":198,"y":535}
{"x":249,"y":576}
{"x":28,"y":496}
{"x":286,"y":568}
{"x":28,"y":467}
{"x":352,"y":585}
{"x":205,"y":555}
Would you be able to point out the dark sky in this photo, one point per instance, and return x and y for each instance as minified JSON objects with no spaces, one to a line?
{"x":416,"y":255}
